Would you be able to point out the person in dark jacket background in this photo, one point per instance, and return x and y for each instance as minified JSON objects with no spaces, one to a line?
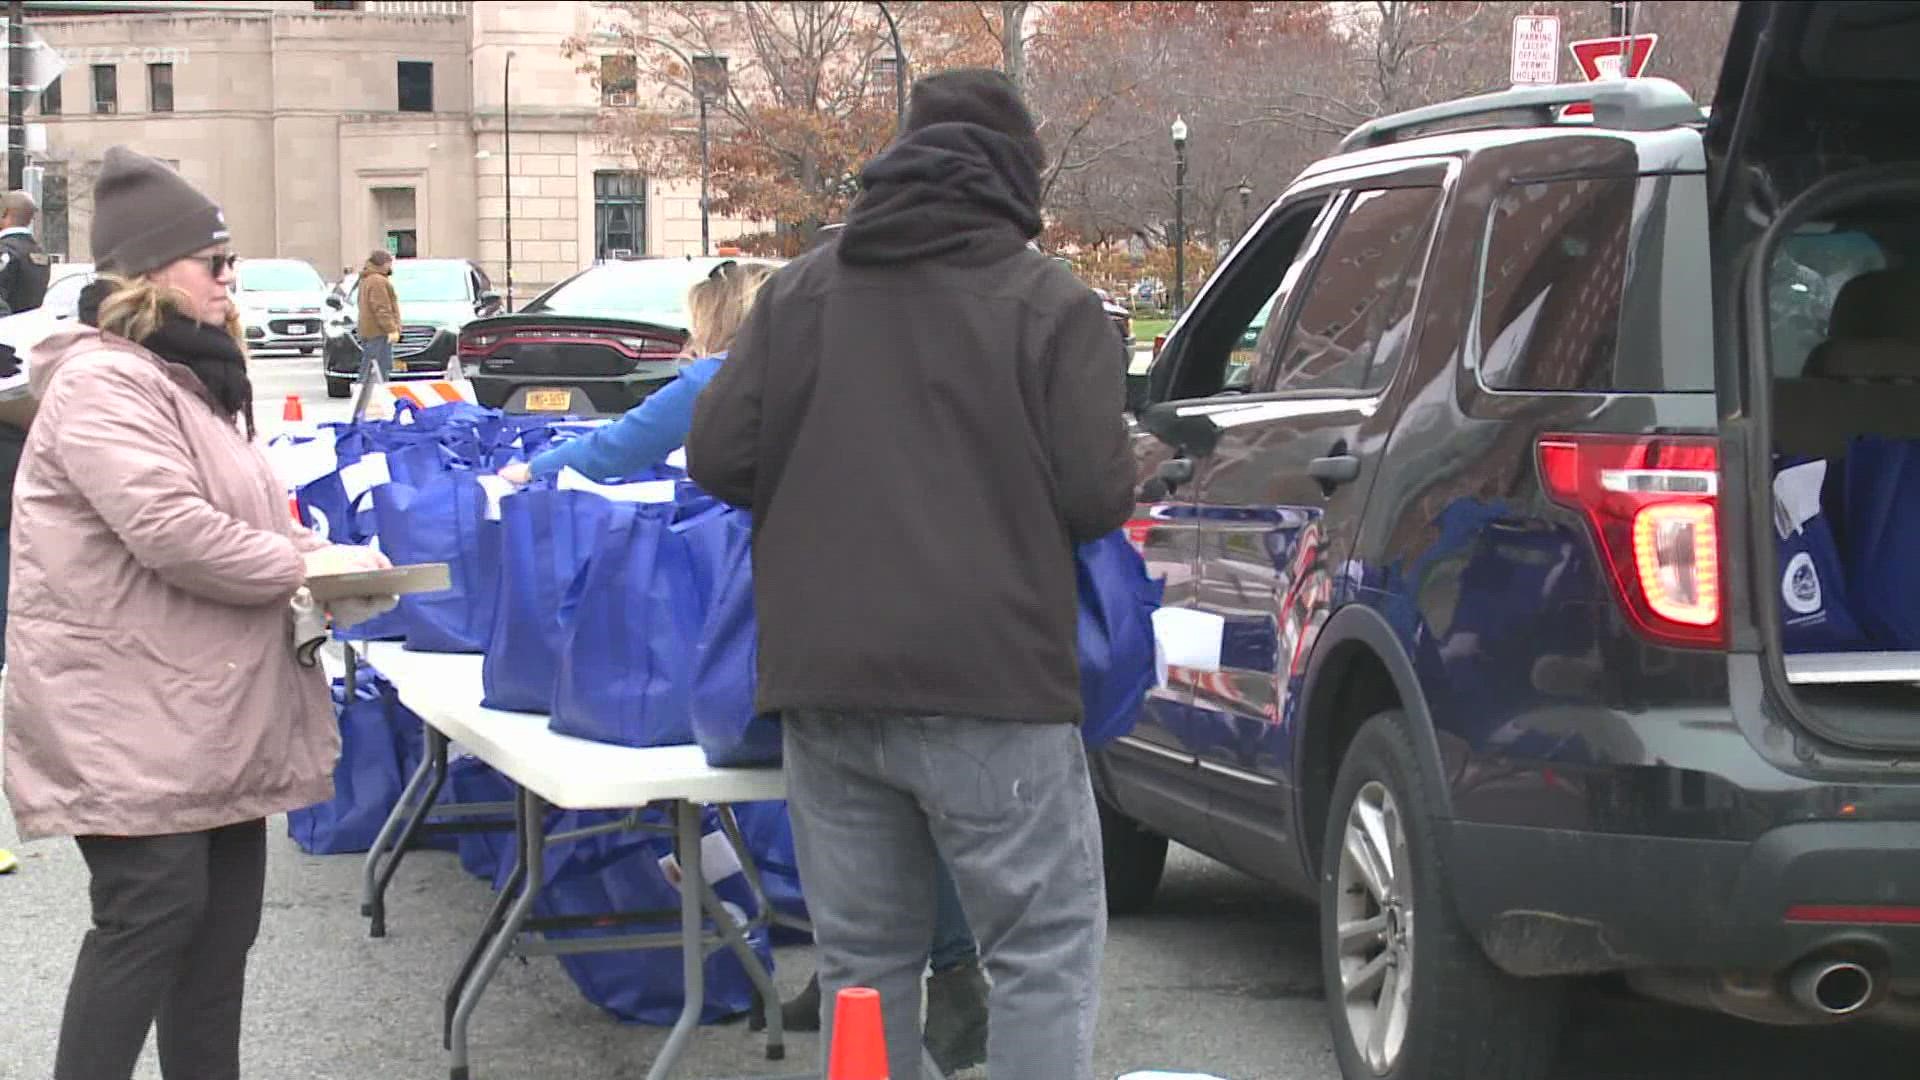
{"x":24,"y":271}
{"x":925,"y":417}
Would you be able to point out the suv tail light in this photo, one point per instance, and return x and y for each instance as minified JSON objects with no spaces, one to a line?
{"x":1653,"y":505}
{"x":1159,"y":342}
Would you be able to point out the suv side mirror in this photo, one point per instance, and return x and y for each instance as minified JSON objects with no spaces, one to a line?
{"x":489,"y":302}
{"x":1193,"y":435}
{"x":335,"y":302}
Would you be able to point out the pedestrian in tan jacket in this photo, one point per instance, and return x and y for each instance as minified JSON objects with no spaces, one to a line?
{"x":379,"y":314}
{"x":155,"y":709}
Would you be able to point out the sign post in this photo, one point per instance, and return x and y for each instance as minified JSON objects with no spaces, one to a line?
{"x":1610,"y":58}
{"x":1536,"y":50}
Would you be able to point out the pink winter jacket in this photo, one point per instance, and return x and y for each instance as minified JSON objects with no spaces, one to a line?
{"x":151,"y":685}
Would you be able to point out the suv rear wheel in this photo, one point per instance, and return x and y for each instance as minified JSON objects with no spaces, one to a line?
{"x":1135,"y":858}
{"x":1410,"y":993}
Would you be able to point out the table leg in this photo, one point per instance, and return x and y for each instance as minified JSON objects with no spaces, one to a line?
{"x":731,"y":933}
{"x":693,"y":950}
{"x":413,"y":809}
{"x":532,"y":830}
{"x":496,"y":917}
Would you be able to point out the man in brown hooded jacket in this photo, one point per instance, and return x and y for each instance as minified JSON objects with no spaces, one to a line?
{"x":379,"y":314}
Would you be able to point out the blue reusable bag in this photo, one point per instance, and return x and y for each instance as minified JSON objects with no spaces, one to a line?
{"x":620,"y":872}
{"x":546,"y":538}
{"x":1815,"y":612}
{"x":1114,"y":636}
{"x":486,"y":855}
{"x":369,"y":776}
{"x":632,"y":618}
{"x":731,"y":733}
{"x":1882,"y":514}
{"x":444,"y":521}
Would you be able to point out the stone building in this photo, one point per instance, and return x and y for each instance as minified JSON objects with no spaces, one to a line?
{"x":328,"y":129}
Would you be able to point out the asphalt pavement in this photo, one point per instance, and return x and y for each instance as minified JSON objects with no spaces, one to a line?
{"x":1222,"y":976}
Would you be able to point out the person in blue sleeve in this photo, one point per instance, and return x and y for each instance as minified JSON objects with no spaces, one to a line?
{"x":658,"y":426}
{"x":956,"y":1027}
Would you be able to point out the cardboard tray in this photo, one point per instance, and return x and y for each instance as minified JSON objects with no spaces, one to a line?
{"x":399,"y":581}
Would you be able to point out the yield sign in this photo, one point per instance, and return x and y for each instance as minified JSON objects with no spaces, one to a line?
{"x":1610,"y":58}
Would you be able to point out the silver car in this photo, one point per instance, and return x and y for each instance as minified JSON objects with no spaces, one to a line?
{"x":281,"y":304}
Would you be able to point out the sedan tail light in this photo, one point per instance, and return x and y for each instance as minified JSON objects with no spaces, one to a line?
{"x":1652,"y":503}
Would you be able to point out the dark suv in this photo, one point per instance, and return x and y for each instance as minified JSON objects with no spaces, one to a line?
{"x":1469,"y":445}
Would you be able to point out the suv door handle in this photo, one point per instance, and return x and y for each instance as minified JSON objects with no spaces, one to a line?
{"x":1166,"y":480}
{"x":1334,"y":471}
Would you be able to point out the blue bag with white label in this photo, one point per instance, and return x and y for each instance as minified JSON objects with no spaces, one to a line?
{"x":1815,"y":613}
{"x":622,"y":873}
{"x":1882,"y":518}
{"x":1114,"y":636}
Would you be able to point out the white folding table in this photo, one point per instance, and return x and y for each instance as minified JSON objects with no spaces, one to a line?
{"x":556,"y":771}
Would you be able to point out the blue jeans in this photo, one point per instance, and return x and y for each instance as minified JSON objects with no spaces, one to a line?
{"x":378,"y":350}
{"x":953,"y":944}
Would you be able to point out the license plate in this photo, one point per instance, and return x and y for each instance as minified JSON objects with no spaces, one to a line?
{"x":549,"y":400}
{"x":299,"y":328}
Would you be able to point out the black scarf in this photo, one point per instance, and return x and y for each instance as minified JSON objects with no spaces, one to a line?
{"x":957,"y":192}
{"x":209,"y":352}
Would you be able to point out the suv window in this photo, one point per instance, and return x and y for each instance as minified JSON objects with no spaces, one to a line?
{"x":1597,"y":284}
{"x":1809,"y":270}
{"x":1362,"y":292}
{"x":1224,"y":343}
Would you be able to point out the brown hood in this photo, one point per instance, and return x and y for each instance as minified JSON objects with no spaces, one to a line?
{"x":372,"y":267}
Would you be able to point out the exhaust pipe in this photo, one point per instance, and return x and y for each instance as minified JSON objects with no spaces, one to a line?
{"x":1831,"y":987}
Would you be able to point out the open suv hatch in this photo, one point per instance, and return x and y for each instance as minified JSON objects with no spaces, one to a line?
{"x":1471,"y":446}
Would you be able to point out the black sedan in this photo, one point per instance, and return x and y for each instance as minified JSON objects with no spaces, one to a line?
{"x":596,"y":344}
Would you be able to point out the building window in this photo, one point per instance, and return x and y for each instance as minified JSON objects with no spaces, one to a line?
{"x":336,"y":5}
{"x":50,"y":103}
{"x":160,"y":87}
{"x":416,"y":86}
{"x":106,"y":88}
{"x":619,"y":80}
{"x":619,"y":214}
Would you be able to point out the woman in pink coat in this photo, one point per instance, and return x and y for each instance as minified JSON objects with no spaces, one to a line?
{"x":155,"y":709}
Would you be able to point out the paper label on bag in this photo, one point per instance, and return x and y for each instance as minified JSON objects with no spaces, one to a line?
{"x":644,"y":491}
{"x":497,"y":488}
{"x":718,"y":860}
{"x":678,"y":459}
{"x":1187,"y":638}
{"x":1796,"y":496}
{"x":364,"y":475}
{"x":298,"y":464}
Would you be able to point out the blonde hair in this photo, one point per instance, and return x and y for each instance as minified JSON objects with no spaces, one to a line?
{"x":720,"y":304}
{"x":136,"y":307}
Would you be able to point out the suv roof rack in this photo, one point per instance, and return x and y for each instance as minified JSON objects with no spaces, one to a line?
{"x":1622,"y":104}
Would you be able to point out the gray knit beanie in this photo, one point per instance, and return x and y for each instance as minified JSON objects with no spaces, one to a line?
{"x":145,"y":215}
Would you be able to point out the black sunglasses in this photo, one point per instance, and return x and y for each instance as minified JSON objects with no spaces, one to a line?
{"x":220,"y":262}
{"x":720,"y":271}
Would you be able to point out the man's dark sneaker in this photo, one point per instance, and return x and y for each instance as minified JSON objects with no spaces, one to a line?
{"x":956,"y":1032}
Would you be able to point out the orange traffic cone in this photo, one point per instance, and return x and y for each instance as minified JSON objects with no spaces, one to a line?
{"x":293,"y":413}
{"x":859,"y":1038}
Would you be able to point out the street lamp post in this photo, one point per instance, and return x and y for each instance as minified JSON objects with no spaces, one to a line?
{"x":1179,"y":215}
{"x":506,"y":165}
{"x":899,"y":68}
{"x":709,"y":81}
